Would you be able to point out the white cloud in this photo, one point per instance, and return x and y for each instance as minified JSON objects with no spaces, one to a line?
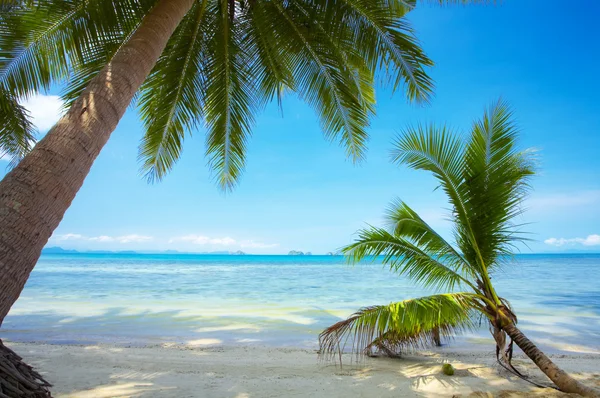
{"x":102,"y":238}
{"x":226,"y":241}
{"x":591,"y":240}
{"x":250,"y":244}
{"x":133,"y":238}
{"x":45,"y":110}
{"x":68,"y":237}
{"x":203,"y":240}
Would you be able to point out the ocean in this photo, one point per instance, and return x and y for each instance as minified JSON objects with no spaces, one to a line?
{"x":203,"y":300}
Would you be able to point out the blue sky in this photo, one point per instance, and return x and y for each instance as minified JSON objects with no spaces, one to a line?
{"x":299,"y":192}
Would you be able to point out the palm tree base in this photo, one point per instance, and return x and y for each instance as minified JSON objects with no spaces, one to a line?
{"x":17,"y":379}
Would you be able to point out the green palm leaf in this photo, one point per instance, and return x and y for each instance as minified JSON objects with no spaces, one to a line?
{"x":406,"y":223}
{"x":273,"y":66}
{"x":327,"y":52}
{"x":495,"y":176}
{"x":324,"y":85}
{"x":171,"y":98}
{"x":392,"y":37}
{"x":17,"y":134}
{"x":401,"y":325}
{"x":40,"y":45}
{"x":231,"y":99}
{"x":406,"y":258}
{"x":485,"y":179}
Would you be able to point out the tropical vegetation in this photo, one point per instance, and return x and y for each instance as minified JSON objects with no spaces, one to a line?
{"x":485,"y":178}
{"x":189,"y":63}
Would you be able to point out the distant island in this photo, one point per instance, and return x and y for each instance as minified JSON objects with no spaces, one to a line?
{"x":60,"y":250}
{"x":57,"y":250}
{"x":299,"y":253}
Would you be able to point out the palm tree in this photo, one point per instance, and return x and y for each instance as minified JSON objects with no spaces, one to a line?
{"x":485,"y":179}
{"x":189,"y":62}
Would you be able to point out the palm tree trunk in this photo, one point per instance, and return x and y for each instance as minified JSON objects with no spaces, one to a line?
{"x":35,"y":195}
{"x":565,"y":382}
{"x":436,"y":337}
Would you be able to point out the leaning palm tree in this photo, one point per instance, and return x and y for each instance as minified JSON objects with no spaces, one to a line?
{"x":485,"y":179}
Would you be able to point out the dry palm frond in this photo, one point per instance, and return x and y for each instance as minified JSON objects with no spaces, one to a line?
{"x":408,"y":324}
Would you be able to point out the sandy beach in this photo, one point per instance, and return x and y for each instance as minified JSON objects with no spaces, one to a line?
{"x":203,"y":370}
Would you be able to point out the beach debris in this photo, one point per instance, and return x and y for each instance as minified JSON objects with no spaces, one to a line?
{"x":17,"y":379}
{"x":448,"y":369}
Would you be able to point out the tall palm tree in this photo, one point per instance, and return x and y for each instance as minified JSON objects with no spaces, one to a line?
{"x":190,"y":62}
{"x":485,"y":178}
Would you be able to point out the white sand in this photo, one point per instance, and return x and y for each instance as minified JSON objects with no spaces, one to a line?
{"x":241,"y":372}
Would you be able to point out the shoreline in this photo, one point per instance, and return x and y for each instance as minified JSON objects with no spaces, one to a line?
{"x":209,"y":370}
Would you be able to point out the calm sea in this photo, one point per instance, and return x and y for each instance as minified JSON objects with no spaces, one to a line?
{"x":274,"y":300}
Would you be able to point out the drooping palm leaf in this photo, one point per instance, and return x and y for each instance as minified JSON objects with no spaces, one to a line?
{"x":171,"y":106}
{"x":324,"y":85}
{"x":405,"y":324}
{"x":273,"y":67}
{"x":41,"y":44}
{"x":327,"y":52}
{"x":231,"y":100}
{"x":57,"y":41}
{"x":17,"y":134}
{"x":406,"y":258}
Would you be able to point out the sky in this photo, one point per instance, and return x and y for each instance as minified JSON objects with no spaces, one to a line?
{"x":299,"y":192}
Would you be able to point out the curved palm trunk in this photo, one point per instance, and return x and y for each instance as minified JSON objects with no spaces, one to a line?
{"x":35,"y":195}
{"x":565,"y":382}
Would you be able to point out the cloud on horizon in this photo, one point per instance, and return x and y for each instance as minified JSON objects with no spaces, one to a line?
{"x":203,"y":240}
{"x":590,"y":240}
{"x":225,"y":242}
{"x":132,"y":238}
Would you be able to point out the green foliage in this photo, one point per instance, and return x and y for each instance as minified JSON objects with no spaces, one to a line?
{"x":485,"y":178}
{"x":16,"y":131}
{"x":224,"y":63}
{"x":408,"y":323}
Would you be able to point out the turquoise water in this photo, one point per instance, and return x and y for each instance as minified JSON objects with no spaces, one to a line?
{"x":273,"y":300}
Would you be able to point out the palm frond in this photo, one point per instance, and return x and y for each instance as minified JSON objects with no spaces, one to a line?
{"x":332,"y":29}
{"x":17,"y":134}
{"x":406,"y":258}
{"x":42,"y":43}
{"x":322,"y":81}
{"x":441,"y":152}
{"x":231,"y":100}
{"x":393,"y":46}
{"x":100,"y":50}
{"x":172,"y":96}
{"x":402,"y":325}
{"x":273,"y":68}
{"x":404,"y":222}
{"x":496,"y":175}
